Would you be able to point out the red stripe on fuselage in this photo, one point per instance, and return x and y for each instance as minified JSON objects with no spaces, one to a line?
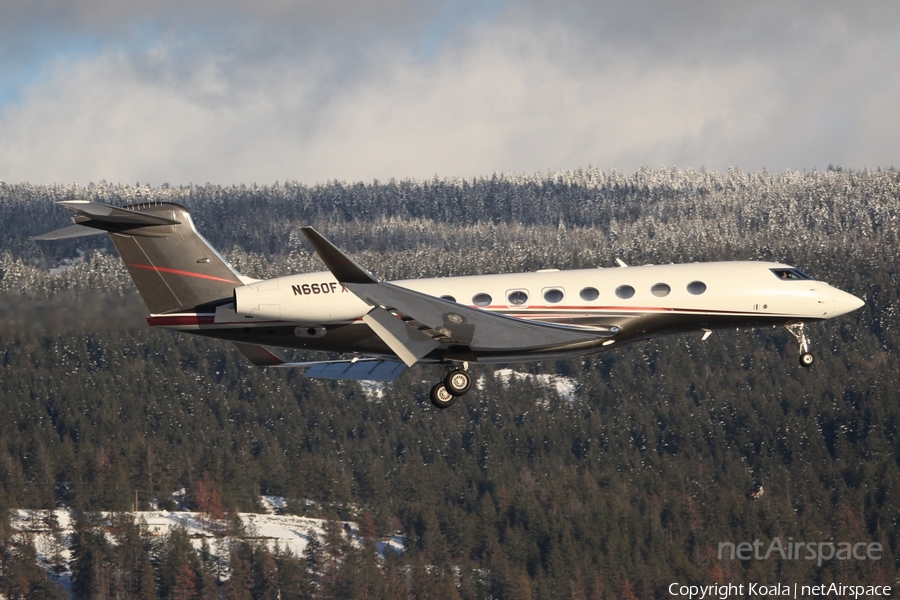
{"x":525,"y":312}
{"x":185,"y":273}
{"x":196,"y":320}
{"x":181,"y":320}
{"x":188,"y":320}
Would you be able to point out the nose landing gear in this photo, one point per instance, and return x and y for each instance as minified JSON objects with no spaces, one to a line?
{"x":455,"y":384}
{"x":797,"y":330}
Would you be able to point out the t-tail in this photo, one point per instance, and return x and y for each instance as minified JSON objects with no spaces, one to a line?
{"x":173,"y":267}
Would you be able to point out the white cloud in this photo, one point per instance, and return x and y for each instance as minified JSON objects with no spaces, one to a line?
{"x":502,"y":103}
{"x":521,"y":91}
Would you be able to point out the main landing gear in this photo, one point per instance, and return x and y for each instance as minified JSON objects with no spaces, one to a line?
{"x":455,"y":384}
{"x":806,"y":357}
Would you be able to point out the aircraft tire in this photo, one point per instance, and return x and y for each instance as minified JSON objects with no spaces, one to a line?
{"x":458,"y":382}
{"x":807,"y":360}
{"x":441,"y":397}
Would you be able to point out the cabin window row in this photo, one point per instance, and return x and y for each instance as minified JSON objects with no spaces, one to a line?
{"x":588,"y":294}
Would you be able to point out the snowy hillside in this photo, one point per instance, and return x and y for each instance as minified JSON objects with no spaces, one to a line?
{"x":51,"y":533}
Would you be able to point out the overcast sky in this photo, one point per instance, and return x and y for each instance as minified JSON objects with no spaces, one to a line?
{"x":241,"y":91}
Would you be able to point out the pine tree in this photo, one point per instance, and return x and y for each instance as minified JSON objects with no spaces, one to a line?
{"x":92,"y":558}
{"x":179,"y":564}
{"x":21,"y":575}
{"x":293,"y":578}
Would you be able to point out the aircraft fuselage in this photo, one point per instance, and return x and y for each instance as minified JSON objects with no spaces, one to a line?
{"x":313,"y":311}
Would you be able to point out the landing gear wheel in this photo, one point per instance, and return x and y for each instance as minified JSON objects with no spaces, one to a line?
{"x":440,"y":397}
{"x":796,"y":329}
{"x":458,"y":382}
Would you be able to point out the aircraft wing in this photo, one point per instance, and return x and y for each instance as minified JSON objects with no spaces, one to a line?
{"x":362,"y":369}
{"x":413,"y":324}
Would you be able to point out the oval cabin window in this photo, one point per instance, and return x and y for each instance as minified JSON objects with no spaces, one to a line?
{"x":589,"y":294}
{"x":660,"y":290}
{"x":481,"y":299}
{"x":553,"y":296}
{"x":624,"y":291}
{"x":517,"y":298}
{"x":696,"y":287}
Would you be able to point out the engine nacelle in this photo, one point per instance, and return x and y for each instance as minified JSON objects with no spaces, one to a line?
{"x":306,"y":298}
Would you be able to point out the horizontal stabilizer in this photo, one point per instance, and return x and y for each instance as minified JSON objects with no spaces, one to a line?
{"x":112,"y":214}
{"x":259,"y":355}
{"x":67,"y":233}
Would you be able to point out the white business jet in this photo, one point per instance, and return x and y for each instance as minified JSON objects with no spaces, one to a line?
{"x":450,"y":323}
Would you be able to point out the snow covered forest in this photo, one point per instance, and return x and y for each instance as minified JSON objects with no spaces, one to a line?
{"x":612,"y":491}
{"x":447,"y":227}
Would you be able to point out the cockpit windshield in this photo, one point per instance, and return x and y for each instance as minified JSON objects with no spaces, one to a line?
{"x":791,"y":274}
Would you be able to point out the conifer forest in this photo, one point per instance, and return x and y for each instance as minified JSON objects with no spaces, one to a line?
{"x":629,"y":482}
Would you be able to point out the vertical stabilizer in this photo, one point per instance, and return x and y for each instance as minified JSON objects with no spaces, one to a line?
{"x":173,"y":267}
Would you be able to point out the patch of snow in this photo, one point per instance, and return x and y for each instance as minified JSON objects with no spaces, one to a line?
{"x":565,"y":387}
{"x":396,"y":543}
{"x":288,"y":532}
{"x":273,"y":505}
{"x":67,"y":263}
{"x":374,"y":390}
{"x":180,"y":497}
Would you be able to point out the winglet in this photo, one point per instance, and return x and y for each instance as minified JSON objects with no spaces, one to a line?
{"x":344,"y":268}
{"x":259,"y":355}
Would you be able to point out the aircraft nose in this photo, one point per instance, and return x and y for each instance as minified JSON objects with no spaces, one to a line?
{"x":845,"y":303}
